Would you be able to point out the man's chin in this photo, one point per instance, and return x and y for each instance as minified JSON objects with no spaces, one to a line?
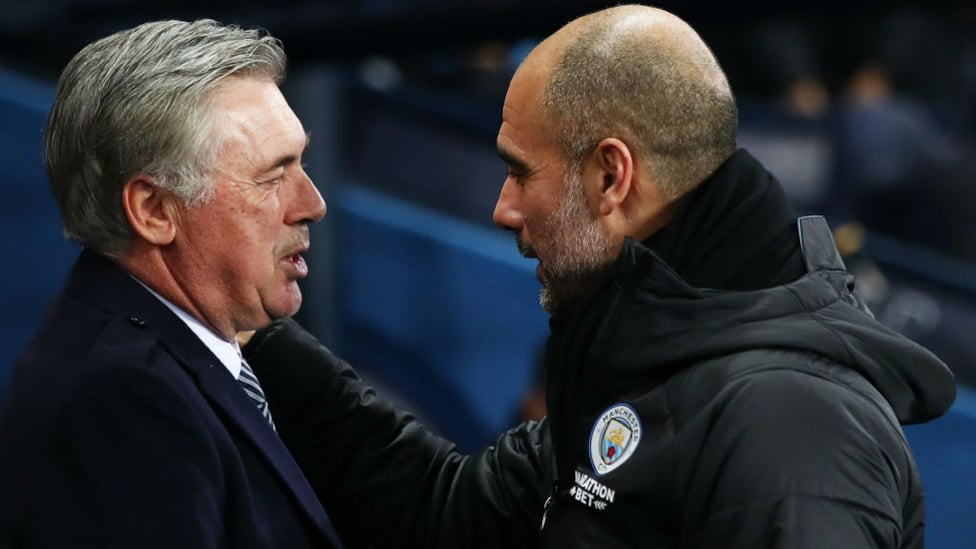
{"x":547,"y":301}
{"x":560,"y":296}
{"x":285,"y":305}
{"x":559,"y":299}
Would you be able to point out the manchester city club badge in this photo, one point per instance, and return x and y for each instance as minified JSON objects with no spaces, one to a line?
{"x":614,"y":438}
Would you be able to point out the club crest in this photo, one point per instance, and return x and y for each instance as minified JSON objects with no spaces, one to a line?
{"x":614,"y":438}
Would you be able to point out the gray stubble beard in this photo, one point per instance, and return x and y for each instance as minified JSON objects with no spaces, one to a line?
{"x":576,"y":251}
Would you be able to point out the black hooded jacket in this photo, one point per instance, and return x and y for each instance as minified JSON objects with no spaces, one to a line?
{"x":762,"y":414}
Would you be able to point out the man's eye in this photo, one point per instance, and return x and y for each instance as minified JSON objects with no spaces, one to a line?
{"x":517,"y":175}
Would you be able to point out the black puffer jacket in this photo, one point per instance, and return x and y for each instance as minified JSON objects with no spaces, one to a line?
{"x":757,"y":419}
{"x":679,"y":417}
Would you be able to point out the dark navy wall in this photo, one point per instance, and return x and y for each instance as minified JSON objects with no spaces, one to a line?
{"x":946,"y":454}
{"x":446,"y":309}
{"x":35,"y":256}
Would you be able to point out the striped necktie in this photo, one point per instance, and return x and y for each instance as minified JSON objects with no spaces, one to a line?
{"x":251,"y":386}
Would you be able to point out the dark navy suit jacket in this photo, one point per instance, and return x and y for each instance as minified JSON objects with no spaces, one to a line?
{"x":121,"y":429}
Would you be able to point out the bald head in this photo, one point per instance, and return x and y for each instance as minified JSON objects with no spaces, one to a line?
{"x":643,"y":75}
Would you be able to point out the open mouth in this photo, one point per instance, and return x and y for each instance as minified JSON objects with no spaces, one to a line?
{"x":297,"y":263}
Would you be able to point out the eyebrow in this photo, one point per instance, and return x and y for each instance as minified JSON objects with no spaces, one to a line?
{"x":515,"y":163}
{"x":290,"y":159}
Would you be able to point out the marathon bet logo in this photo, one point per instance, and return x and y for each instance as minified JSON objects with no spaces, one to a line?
{"x":614,"y":438}
{"x":590,"y":492}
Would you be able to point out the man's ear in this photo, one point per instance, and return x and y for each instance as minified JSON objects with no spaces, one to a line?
{"x":151,"y":211}
{"x":616,"y":164}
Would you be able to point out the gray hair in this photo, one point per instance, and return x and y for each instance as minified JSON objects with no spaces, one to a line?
{"x":136,"y":102}
{"x":665,"y":96}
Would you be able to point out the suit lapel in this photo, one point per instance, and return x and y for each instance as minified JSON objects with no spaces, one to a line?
{"x":237,"y":410}
{"x":108,"y":286}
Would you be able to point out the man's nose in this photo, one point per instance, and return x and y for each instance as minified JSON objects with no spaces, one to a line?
{"x":506,"y":214}
{"x":308,"y":206}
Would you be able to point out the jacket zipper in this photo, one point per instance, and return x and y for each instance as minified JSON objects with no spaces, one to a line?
{"x":557,"y":409}
{"x":548,"y":503}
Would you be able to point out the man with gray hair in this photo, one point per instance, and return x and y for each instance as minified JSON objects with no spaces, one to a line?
{"x":131,"y":418}
{"x":711,"y":379}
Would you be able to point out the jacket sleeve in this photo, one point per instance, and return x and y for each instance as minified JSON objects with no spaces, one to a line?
{"x":382,"y":477}
{"x":793,"y":460}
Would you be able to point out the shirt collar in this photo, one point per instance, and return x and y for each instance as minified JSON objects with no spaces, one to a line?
{"x":229,"y":353}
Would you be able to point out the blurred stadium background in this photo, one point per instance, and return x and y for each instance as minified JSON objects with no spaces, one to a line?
{"x":866,"y":113}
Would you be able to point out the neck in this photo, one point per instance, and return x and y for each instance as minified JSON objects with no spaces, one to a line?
{"x":148,"y":265}
{"x":658,"y":216}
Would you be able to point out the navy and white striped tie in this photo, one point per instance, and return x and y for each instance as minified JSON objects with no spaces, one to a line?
{"x":251,"y":386}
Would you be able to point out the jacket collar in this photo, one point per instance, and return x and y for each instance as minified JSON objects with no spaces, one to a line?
{"x":815,"y":243}
{"x":734,"y":231}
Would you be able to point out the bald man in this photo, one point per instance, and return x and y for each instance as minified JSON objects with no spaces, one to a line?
{"x":712,"y":381}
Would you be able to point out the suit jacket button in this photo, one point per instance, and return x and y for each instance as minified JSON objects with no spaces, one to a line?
{"x":137,"y":322}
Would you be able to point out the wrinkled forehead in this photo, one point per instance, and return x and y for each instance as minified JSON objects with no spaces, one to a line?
{"x":524,"y":101}
{"x":536,"y":68}
{"x":523,"y":132}
{"x":253,"y":123}
{"x":524,"y":95}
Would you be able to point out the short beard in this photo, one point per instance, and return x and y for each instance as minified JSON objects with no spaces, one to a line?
{"x":575,"y":251}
